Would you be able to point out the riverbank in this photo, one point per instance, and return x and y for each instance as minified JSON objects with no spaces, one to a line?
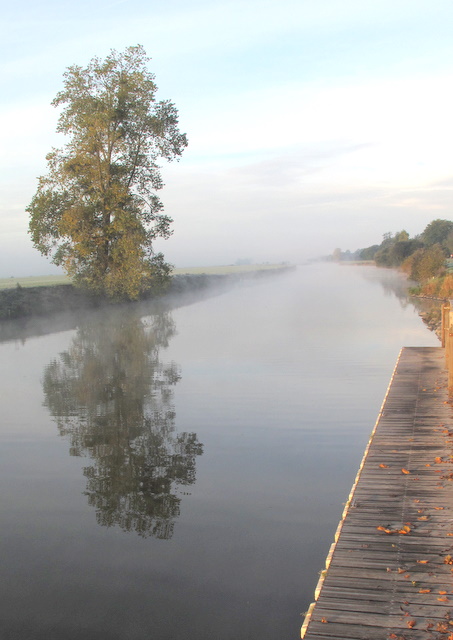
{"x":29,"y":301}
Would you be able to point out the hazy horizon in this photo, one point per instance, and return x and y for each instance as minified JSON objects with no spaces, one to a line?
{"x":311,"y":125}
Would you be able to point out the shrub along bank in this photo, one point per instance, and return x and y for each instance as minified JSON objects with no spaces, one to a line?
{"x":425,"y":258}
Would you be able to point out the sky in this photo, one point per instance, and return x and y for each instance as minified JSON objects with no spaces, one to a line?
{"x":312,"y":124}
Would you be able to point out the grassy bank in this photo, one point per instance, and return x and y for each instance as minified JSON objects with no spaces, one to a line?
{"x":35,"y":296}
{"x":48,"y":281}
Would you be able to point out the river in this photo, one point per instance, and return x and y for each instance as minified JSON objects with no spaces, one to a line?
{"x":178,"y":470}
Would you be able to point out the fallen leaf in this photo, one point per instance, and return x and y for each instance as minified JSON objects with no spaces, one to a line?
{"x":443,"y":593}
{"x":423,"y":518}
{"x":405,"y":470}
{"x":384,"y":466}
{"x":386,"y":529}
{"x":422,"y":561}
{"x":411,"y":623}
{"x":442,"y":627}
{"x":438,"y":460}
{"x":405,"y":530}
{"x":448,"y":560}
{"x":424,"y":591}
{"x":324,"y":621}
{"x":443,"y":599}
{"x":439,"y":508}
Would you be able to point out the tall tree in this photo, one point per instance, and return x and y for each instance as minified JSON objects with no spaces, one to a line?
{"x":96,"y":212}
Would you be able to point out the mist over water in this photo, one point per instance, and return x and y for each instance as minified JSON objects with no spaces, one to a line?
{"x":178,"y":470}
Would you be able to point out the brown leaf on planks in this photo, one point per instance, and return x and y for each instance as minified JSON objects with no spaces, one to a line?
{"x":403,"y":470}
{"x":324,"y":621}
{"x":422,"y":561}
{"x":448,"y":559}
{"x":384,"y":466}
{"x":424,"y":590}
{"x":385,"y":529}
{"x":405,"y":530}
{"x":411,"y":623}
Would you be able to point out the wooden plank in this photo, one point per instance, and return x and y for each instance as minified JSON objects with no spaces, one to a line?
{"x":377,"y":581}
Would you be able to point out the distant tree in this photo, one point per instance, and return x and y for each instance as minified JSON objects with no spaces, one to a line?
{"x":401,"y":236}
{"x":437,"y":232}
{"x":425,"y":263}
{"x":449,"y":242}
{"x":369,"y":252}
{"x":337,"y":255}
{"x":96,"y":211}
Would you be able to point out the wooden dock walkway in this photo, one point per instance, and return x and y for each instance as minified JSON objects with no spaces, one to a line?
{"x":389,"y":572}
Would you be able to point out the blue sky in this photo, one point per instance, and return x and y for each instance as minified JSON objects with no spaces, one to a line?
{"x":312,"y":124}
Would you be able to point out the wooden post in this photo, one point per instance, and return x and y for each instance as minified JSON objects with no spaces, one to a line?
{"x":445,"y":321}
{"x":447,"y":346}
{"x":450,"y":361}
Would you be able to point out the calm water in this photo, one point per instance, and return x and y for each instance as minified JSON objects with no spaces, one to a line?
{"x":179,"y":471}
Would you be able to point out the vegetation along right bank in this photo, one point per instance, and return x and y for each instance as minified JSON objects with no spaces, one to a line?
{"x":426,"y":258}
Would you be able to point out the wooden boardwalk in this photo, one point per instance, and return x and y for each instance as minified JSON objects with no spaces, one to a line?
{"x":389,"y":571}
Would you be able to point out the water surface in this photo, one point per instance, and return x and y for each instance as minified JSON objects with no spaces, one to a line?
{"x":178,"y":470}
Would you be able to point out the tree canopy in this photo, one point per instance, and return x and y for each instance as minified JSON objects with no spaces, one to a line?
{"x":96,"y":212}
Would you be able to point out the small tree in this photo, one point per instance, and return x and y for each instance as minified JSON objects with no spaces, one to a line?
{"x":96,"y":211}
{"x":425,"y":263}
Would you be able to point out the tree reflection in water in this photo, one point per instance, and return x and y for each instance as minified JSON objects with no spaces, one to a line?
{"x":112,"y":396}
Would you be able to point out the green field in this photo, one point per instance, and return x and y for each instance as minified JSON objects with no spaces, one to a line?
{"x":46,"y":281}
{"x":33,"y":281}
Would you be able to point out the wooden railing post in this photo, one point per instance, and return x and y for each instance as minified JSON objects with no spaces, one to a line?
{"x":445,"y":321}
{"x":450,"y":360}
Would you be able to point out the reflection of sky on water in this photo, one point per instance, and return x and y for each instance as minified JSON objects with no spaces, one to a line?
{"x":281,"y":381}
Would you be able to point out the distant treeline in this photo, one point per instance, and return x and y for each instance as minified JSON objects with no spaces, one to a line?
{"x":426,"y":258}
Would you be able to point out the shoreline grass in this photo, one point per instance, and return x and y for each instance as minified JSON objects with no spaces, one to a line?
{"x":48,"y":281}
